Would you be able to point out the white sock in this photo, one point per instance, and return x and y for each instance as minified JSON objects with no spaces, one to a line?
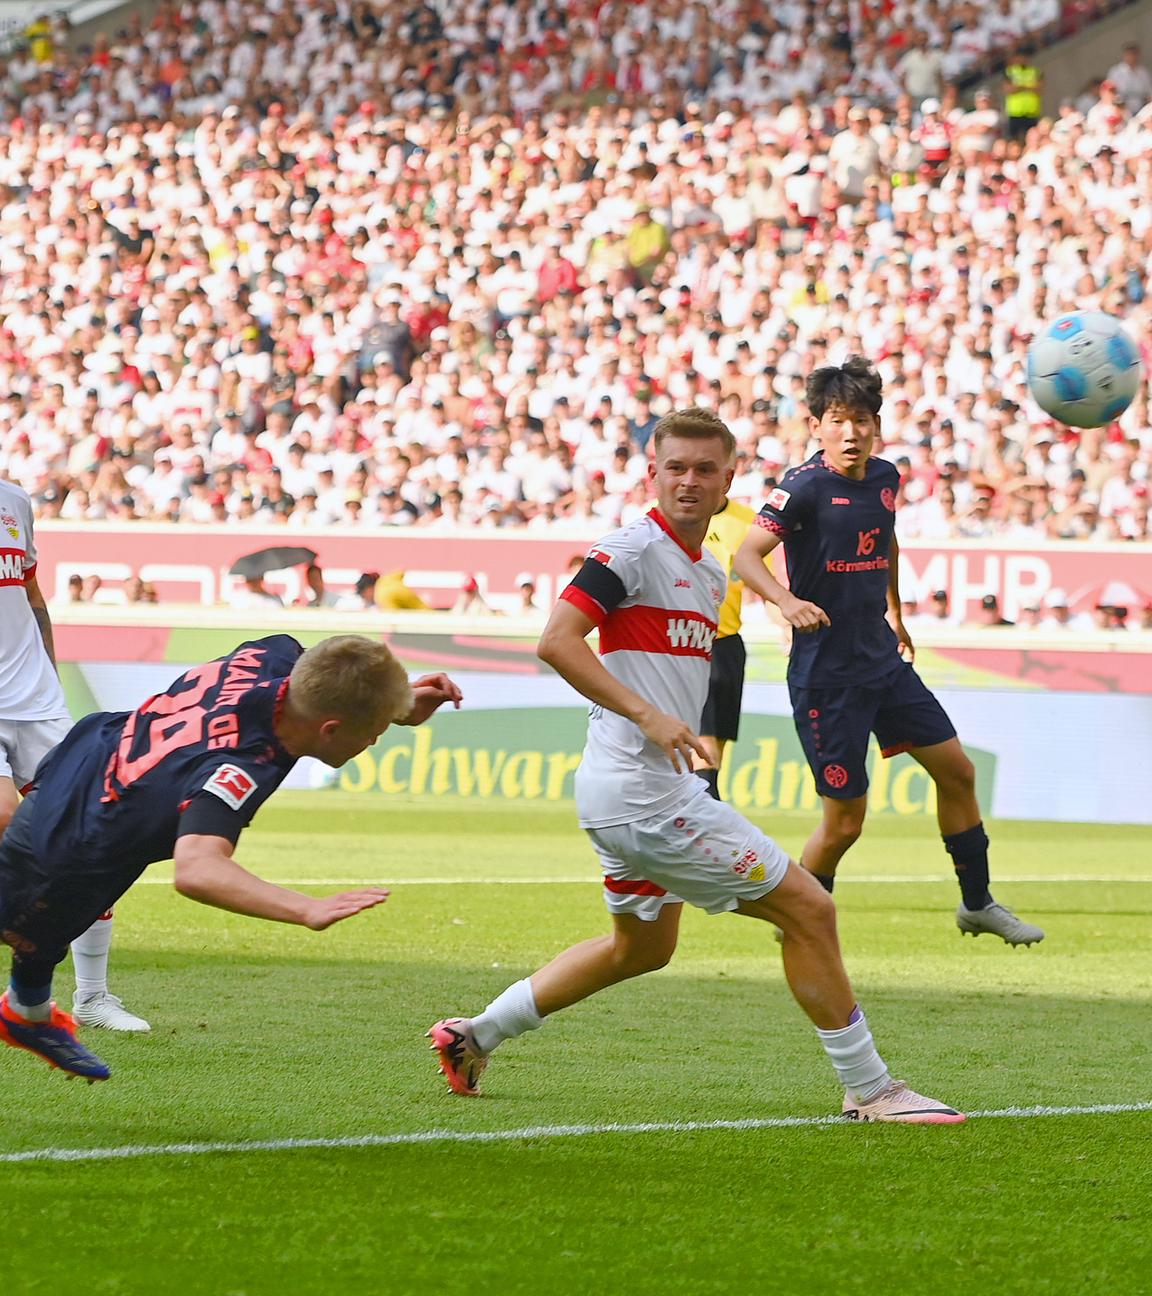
{"x":30,"y":1012}
{"x":853,"y":1055}
{"x":510,"y":1014}
{"x":90,"y":958}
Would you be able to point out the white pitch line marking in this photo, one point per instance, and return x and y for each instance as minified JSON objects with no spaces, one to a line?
{"x":591,"y":879}
{"x":514,"y":1135}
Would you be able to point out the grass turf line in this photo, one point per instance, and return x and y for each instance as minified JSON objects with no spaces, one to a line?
{"x":521,"y":1135}
{"x":263,"y":1031}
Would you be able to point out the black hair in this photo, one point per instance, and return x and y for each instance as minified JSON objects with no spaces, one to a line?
{"x":854,"y":385}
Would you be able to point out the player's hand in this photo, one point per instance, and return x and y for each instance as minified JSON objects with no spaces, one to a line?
{"x":904,"y":645}
{"x":802,"y":616}
{"x":674,"y":738}
{"x":326,"y":910}
{"x":429,"y":693}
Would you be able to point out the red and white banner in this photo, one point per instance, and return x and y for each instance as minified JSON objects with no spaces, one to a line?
{"x":190,"y":564}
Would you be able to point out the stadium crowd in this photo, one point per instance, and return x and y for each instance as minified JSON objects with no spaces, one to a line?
{"x":399,"y":264}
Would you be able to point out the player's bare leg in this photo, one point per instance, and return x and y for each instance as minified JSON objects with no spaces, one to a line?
{"x":9,"y":800}
{"x":804,"y":914}
{"x":948,"y":765}
{"x":806,"y":917}
{"x":958,"y":814}
{"x":840,"y":826}
{"x":633,"y":947}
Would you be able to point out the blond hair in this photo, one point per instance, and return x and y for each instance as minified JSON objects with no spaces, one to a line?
{"x":350,"y":677}
{"x":696,"y":424}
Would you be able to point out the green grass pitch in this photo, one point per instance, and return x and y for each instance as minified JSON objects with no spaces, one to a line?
{"x":266,"y":1033}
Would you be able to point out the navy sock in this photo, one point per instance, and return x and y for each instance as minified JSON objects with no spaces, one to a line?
{"x":31,"y":979}
{"x":29,"y":999}
{"x":969,"y":851}
{"x":710,"y":777}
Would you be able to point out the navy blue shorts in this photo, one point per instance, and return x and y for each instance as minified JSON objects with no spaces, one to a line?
{"x":834,"y":724}
{"x":44,"y":905}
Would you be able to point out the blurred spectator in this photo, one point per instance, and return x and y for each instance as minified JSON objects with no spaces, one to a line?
{"x":910,"y":610}
{"x":441,"y":267}
{"x":1060,"y":616}
{"x":988,"y":613}
{"x":75,"y":588}
{"x":252,"y":594}
{"x":393,"y":595}
{"x":1132,"y":79}
{"x":526,"y":589}
{"x":317,"y":596}
{"x":363,"y":596}
{"x":41,"y":37}
{"x":1111,"y":616}
{"x":1023,"y":92}
{"x":470,"y":601}
{"x":939,"y":612}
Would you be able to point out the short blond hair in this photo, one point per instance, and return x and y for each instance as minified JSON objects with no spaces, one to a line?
{"x":696,"y":424}
{"x":350,"y":677}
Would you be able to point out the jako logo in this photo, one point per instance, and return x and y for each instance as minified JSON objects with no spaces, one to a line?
{"x":683,"y":584}
{"x":839,"y":499}
{"x":690,"y":634}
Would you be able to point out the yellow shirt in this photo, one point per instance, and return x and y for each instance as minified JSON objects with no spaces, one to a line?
{"x":1023,"y":100}
{"x":726,"y":534}
{"x":647,"y":244}
{"x":39,"y":36}
{"x":394,"y":595}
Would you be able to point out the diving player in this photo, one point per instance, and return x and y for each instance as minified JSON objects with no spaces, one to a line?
{"x":180,"y":778}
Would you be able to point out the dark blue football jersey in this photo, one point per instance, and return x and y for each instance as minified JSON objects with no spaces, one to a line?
{"x":200,"y":757}
{"x":837,"y":540}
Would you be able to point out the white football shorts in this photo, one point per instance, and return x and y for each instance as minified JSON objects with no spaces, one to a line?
{"x":25,"y":743}
{"x":705,"y":853}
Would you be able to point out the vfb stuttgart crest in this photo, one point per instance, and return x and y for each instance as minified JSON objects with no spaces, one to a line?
{"x":10,"y":524}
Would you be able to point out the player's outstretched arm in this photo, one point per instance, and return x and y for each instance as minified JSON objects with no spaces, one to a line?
{"x":749,"y":565}
{"x":206,"y":871}
{"x":564,"y":646}
{"x":429,"y":693}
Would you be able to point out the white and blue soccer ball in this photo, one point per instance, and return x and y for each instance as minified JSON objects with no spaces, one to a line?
{"x":1084,"y":369}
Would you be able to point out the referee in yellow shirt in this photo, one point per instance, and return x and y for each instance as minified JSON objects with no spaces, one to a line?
{"x":720,"y":723}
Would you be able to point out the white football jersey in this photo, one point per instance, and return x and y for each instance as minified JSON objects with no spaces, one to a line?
{"x":657,"y":640}
{"x":29,"y":688}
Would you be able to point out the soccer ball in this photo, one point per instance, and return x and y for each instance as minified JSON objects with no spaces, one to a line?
{"x":1084,"y":369}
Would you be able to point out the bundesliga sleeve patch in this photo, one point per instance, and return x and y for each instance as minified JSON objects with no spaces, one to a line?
{"x":778,"y":498}
{"x":232,"y":785}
